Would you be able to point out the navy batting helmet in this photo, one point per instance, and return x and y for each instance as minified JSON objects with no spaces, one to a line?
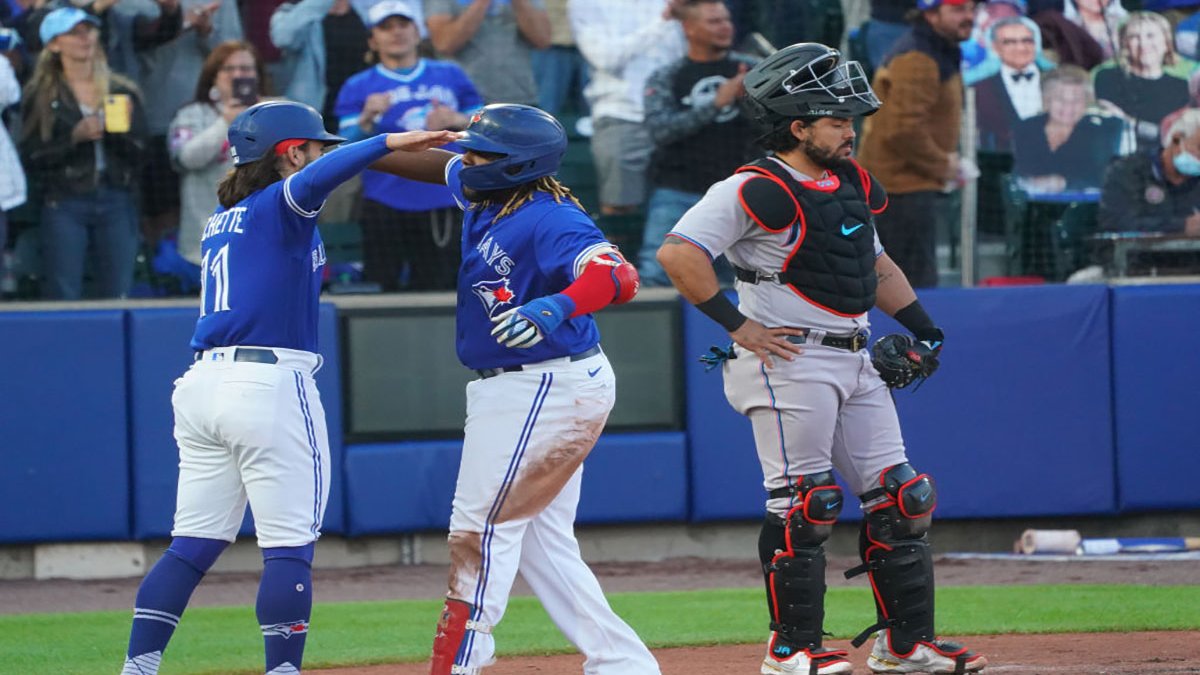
{"x":531,"y":142}
{"x":257,"y":129}
{"x":807,"y":79}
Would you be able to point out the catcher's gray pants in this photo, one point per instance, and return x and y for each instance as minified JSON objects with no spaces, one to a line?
{"x":825,"y":409}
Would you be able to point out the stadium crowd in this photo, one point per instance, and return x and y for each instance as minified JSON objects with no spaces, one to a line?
{"x":115,"y":115}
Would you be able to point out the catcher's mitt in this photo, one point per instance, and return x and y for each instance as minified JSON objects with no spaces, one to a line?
{"x":902,"y":360}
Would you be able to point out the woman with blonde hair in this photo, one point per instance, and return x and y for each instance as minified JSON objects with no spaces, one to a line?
{"x":1140,"y":87}
{"x":82,"y":138}
{"x":196,"y":139}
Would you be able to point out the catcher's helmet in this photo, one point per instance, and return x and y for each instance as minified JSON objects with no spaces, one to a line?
{"x":807,"y":80}
{"x":531,"y":141}
{"x":256,"y":130}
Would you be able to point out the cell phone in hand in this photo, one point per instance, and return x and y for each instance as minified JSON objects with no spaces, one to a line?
{"x":118,"y":113}
{"x":245,"y":90}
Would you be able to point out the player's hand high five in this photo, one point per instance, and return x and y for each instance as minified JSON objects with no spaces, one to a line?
{"x":416,"y":141}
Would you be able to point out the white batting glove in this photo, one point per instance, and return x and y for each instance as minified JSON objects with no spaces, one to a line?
{"x":514,"y":330}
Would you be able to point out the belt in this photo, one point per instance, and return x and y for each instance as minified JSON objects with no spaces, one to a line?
{"x":492,"y":372}
{"x":754,"y":276}
{"x":251,"y":354}
{"x":851,"y":343}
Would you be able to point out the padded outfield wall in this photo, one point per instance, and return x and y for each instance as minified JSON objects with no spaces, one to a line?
{"x":1051,"y":401}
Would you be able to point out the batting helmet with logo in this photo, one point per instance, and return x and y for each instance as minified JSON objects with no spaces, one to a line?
{"x":807,"y":80}
{"x":530,"y":141}
{"x":257,"y":129}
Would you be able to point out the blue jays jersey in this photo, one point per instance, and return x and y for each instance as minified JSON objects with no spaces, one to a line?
{"x":536,"y":251}
{"x":412,"y":94}
{"x":262,"y":259}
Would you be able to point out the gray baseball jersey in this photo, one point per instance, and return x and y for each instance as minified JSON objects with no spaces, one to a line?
{"x":718,"y":224}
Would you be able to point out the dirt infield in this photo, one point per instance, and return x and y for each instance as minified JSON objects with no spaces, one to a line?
{"x":1087,"y":654}
{"x":1162,"y":653}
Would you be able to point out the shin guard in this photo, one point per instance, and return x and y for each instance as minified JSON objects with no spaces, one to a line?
{"x":794,"y":564}
{"x":452,"y":629}
{"x":897,"y":557}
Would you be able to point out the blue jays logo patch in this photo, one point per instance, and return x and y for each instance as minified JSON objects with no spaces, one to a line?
{"x":285,"y":630}
{"x":494,"y":294}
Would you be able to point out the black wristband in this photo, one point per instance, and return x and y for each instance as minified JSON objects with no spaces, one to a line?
{"x":720,"y":309}
{"x":917,"y":321}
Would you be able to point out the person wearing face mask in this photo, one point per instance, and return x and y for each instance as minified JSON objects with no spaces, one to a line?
{"x":1159,"y":191}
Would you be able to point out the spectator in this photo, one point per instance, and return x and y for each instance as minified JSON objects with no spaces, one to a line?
{"x":198,"y":133}
{"x":1157,"y":191}
{"x":977,"y":49}
{"x":699,"y":134}
{"x":1193,"y":102}
{"x":1015,"y":92}
{"x":560,"y":70}
{"x":1066,"y":42}
{"x":12,"y":176}
{"x":491,"y":40}
{"x":1065,"y":148}
{"x":85,"y":163}
{"x":1139,"y":88}
{"x":1100,"y":18}
{"x":623,"y":48}
{"x":911,"y":143}
{"x":786,"y":23}
{"x":405,"y":220}
{"x":323,"y":42}
{"x":170,"y":70}
{"x":886,"y":25}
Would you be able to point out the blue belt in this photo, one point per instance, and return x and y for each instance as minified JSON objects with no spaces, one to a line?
{"x":251,"y":354}
{"x":492,"y":372}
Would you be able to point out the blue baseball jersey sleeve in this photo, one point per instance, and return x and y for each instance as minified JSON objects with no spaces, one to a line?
{"x":412,"y":93}
{"x":536,"y":251}
{"x":262,"y":259}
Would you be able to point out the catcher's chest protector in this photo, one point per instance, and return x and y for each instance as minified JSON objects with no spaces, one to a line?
{"x":833,"y":259}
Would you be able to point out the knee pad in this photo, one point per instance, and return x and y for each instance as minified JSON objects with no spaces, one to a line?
{"x":794,"y":563}
{"x":197,"y":552}
{"x":896,"y":556}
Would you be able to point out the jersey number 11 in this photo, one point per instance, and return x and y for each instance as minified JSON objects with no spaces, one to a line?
{"x":218,"y":268}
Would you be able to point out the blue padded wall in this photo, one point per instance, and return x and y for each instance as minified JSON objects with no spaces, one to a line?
{"x":64,"y":417}
{"x":1018,"y":420}
{"x":160,"y":353}
{"x":635,"y":477}
{"x":409,"y":486}
{"x":988,"y":415}
{"x":400,"y":487}
{"x":1156,"y":375}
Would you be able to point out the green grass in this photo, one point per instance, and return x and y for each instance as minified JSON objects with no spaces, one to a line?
{"x":226,"y":640}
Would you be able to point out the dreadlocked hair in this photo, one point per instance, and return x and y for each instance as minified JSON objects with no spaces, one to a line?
{"x":524,"y":193}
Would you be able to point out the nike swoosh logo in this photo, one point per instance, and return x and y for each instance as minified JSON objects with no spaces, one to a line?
{"x":592,"y":373}
{"x":851,"y":231}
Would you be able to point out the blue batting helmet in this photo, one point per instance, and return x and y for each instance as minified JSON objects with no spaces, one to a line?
{"x":531,"y":141}
{"x":257,"y":129}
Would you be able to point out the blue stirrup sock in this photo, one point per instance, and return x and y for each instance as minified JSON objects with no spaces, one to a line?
{"x":284,"y":606}
{"x":162,"y":597}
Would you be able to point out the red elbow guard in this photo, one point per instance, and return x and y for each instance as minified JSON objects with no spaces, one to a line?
{"x":607,"y":280}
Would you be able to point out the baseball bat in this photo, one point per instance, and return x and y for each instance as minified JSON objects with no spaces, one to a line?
{"x":1139,"y":545}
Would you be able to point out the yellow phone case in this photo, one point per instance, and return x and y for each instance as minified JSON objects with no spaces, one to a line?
{"x":118,"y":110}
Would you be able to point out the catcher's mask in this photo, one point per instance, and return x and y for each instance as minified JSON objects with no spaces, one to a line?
{"x":807,"y":80}
{"x":530,"y":141}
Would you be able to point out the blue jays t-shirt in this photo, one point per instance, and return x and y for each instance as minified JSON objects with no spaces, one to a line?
{"x":412,"y":94}
{"x":536,"y":251}
{"x":262,"y":259}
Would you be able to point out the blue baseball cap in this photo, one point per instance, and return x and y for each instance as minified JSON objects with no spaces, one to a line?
{"x":934,"y":4}
{"x":62,"y":20}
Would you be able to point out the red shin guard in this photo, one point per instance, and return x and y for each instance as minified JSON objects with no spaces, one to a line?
{"x":451,"y":629}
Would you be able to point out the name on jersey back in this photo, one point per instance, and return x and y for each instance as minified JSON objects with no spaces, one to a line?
{"x":224,"y":221}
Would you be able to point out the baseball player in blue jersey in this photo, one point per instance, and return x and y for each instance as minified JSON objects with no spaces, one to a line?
{"x":248,"y":418}
{"x":534,"y":269}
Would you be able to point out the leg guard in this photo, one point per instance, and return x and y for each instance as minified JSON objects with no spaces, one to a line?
{"x":794,"y":566}
{"x":897,"y":558}
{"x":452,"y":629}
